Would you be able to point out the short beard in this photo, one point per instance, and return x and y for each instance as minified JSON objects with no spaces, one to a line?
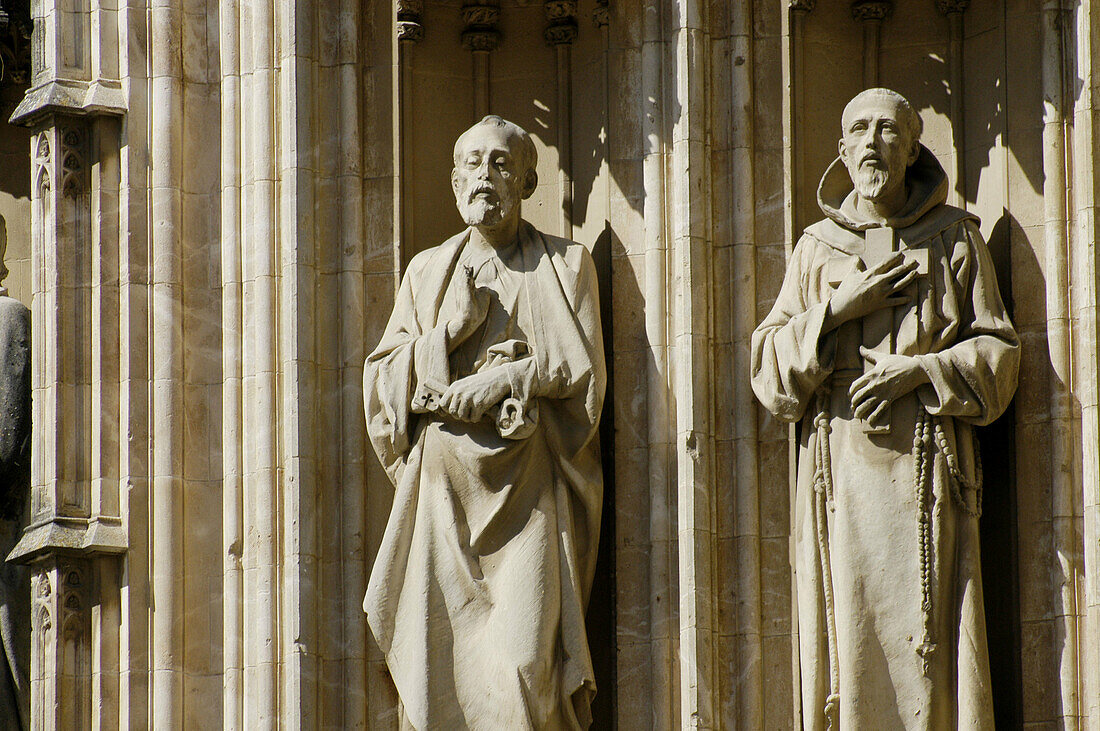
{"x":870,"y":182}
{"x":480,"y":213}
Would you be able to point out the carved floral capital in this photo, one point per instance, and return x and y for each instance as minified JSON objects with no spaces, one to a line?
{"x":561,"y":33}
{"x":408,"y":30}
{"x":480,"y":16}
{"x":947,"y":7}
{"x":560,"y":9}
{"x":480,"y":40}
{"x":871,"y":9}
{"x":601,"y":16}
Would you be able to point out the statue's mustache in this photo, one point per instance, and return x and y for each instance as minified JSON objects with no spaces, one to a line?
{"x":482,"y":190}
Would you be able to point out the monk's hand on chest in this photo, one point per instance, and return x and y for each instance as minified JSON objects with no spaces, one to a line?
{"x":471,"y":305}
{"x":863,"y":292}
{"x":889,"y":378}
{"x":467,"y":399}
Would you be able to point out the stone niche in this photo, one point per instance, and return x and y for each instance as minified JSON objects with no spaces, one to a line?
{"x":224,"y":196}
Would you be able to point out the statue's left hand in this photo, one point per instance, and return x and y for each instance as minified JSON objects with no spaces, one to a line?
{"x":467,"y":399}
{"x":890,"y":378}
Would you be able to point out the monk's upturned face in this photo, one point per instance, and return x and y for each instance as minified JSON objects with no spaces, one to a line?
{"x":876,"y":146}
{"x":487,"y":181}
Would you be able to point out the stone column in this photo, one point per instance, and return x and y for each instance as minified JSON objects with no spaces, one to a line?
{"x":871,"y":13}
{"x":75,"y":531}
{"x":480,"y":37}
{"x":954,"y":10}
{"x":560,"y":33}
{"x":410,"y":30}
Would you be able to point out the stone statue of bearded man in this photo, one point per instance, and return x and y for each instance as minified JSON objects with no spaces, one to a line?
{"x":889,"y":343}
{"x":482,"y":402}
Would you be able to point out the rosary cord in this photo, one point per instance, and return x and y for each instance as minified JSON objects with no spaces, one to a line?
{"x":823,"y":501}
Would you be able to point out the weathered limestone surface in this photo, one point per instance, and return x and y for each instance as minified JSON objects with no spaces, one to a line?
{"x":482,"y":402}
{"x":224,"y":196}
{"x":889,"y":342}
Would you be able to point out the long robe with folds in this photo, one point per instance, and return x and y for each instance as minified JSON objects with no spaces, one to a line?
{"x":890,"y":609}
{"x":478,"y":593}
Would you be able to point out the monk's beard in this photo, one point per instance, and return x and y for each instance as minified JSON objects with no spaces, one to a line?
{"x":870,"y":182}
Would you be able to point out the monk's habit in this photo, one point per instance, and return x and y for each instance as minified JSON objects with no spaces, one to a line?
{"x":478,"y":593}
{"x":890,"y":609}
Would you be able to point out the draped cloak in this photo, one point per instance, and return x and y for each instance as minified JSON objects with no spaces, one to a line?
{"x":885,"y":533}
{"x":478,"y":593}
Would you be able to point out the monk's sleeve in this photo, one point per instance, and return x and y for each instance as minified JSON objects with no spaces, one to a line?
{"x":791,"y":353}
{"x":974,"y":378}
{"x":407,"y":369}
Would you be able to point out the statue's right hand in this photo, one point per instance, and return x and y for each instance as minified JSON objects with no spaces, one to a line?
{"x":861,"y":293}
{"x":471,"y":308}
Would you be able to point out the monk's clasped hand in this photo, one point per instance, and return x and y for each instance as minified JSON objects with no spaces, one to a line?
{"x":889,"y":378}
{"x":467,"y":399}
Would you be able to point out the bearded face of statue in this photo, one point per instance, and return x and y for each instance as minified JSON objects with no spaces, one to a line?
{"x":877,"y":146}
{"x":490,"y":176}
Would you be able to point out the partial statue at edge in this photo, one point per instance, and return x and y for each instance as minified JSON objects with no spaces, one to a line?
{"x":889,"y":341}
{"x":482,"y":402}
{"x":15,"y":481}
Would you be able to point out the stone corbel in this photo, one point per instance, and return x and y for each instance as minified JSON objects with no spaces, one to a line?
{"x":871,"y":13}
{"x":953,"y":10}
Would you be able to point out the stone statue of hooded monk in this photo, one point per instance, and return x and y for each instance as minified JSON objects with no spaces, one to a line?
{"x":889,"y":343}
{"x":482,"y":402}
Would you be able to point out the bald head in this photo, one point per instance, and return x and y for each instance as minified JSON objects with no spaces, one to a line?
{"x":517,"y":139}
{"x":906,"y":116}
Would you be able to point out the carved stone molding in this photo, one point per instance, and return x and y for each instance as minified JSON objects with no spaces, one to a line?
{"x":803,"y":6}
{"x":42,"y":177}
{"x":947,"y":7}
{"x":409,"y":16}
{"x":72,"y":161}
{"x":601,"y":16}
{"x":871,"y":9}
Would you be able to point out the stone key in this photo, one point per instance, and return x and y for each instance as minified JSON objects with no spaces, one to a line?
{"x":878,"y":326}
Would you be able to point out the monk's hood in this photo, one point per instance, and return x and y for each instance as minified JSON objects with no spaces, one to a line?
{"x":927,"y":189}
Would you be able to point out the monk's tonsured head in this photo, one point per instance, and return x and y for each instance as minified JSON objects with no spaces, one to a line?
{"x":880,"y":139}
{"x":494,"y":169}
